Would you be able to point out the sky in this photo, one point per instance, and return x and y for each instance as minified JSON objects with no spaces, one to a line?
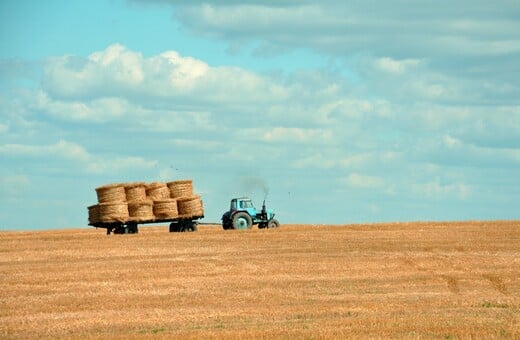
{"x":336,"y":112}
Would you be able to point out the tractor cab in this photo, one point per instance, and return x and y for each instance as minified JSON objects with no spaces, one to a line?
{"x":243,"y":204}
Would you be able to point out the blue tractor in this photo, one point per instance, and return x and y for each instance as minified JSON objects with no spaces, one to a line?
{"x":243,"y":215}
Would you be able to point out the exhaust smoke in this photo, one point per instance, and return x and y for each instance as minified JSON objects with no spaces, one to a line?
{"x":253,"y":185}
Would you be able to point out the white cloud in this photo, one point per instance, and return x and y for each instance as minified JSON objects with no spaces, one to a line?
{"x":356,"y":160}
{"x":4,"y":128}
{"x":289,"y":135}
{"x":345,"y":127}
{"x":72,"y":76}
{"x":123,"y":65}
{"x":98,"y":110}
{"x":120,"y":73}
{"x":191,"y":144}
{"x":341,"y":28}
{"x":184,"y":71}
{"x":61,"y":149}
{"x":357,"y":180}
{"x":393,"y":66}
{"x":315,"y":161}
{"x":435,"y":189}
{"x":113,"y":165}
{"x":64,"y":150}
{"x":469,"y":59}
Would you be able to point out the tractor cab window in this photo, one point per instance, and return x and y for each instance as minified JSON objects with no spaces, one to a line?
{"x":245,"y":204}
{"x":233,"y":205}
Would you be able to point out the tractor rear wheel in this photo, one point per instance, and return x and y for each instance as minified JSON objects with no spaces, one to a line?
{"x":242,"y":220}
{"x":227,"y":224}
{"x":273,"y":224}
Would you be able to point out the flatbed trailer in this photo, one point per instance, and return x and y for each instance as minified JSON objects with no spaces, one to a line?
{"x":178,"y":224}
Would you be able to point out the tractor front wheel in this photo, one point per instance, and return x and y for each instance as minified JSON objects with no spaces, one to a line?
{"x":242,"y":220}
{"x":273,"y":224}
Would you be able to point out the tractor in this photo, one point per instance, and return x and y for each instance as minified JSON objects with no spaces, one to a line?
{"x":243,"y":215}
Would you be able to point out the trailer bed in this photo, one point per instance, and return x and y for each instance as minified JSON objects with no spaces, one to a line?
{"x":178,"y":224}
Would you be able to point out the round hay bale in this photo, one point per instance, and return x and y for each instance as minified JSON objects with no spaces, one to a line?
{"x":157,"y":191}
{"x":111,"y":193}
{"x":182,"y":188}
{"x":135,"y":192}
{"x":140,"y":211}
{"x":190,"y":206}
{"x":113,"y":212}
{"x":165,"y":209}
{"x":93,"y":214}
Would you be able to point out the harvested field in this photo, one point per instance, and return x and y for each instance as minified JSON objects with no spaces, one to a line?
{"x":402,"y":280}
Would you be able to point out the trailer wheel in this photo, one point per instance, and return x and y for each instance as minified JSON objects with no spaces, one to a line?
{"x":190,"y":227}
{"x":132,"y":228}
{"x":242,"y":220}
{"x":273,"y":224}
{"x":174,"y":227}
{"x":120,"y":229}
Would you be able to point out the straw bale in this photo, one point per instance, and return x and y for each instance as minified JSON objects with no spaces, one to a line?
{"x":190,"y":206}
{"x":165,"y":209}
{"x":181,"y":188}
{"x":157,"y":191}
{"x":135,"y":192}
{"x":93,"y":214}
{"x":113,"y":212}
{"x":111,"y":193}
{"x":140,"y":211}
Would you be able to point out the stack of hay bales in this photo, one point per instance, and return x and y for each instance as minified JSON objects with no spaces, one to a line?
{"x":93,"y":214}
{"x":188,"y":204}
{"x":163,"y":206}
{"x":140,"y":207}
{"x":112,"y":206}
{"x":141,"y":202}
{"x":181,"y":188}
{"x":165,"y":209}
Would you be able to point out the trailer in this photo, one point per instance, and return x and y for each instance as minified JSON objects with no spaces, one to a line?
{"x":122,"y":207}
{"x":179,"y":224}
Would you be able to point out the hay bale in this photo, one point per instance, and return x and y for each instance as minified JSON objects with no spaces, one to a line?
{"x":157,"y":191}
{"x":165,"y":209}
{"x":140,"y":211}
{"x":190,"y":206}
{"x":111,"y":193}
{"x":135,"y":192}
{"x":93,"y":214}
{"x":181,"y":188}
{"x":113,"y":212}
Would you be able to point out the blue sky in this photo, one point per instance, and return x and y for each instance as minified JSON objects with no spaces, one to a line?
{"x":345,"y":111}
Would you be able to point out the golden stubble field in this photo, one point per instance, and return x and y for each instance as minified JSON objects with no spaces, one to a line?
{"x":401,"y":280}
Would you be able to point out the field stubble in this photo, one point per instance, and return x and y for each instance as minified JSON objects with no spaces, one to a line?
{"x":416,"y":280}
